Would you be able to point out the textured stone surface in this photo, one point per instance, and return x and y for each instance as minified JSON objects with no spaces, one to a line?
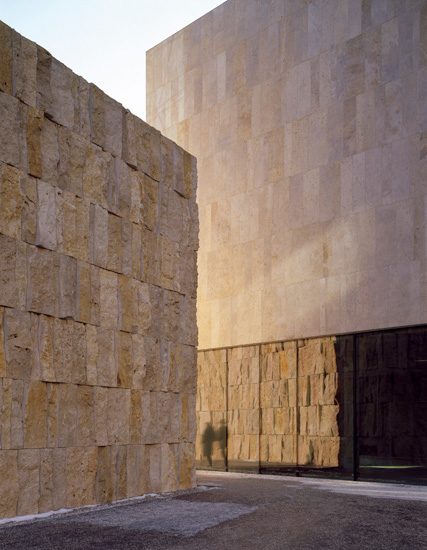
{"x":98,"y":243}
{"x":308,"y":122}
{"x":277,"y":406}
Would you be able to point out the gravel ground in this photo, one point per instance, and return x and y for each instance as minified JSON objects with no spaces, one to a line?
{"x":234,"y":511}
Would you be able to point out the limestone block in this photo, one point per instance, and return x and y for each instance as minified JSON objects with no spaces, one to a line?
{"x":183,"y":363}
{"x":52,"y":415}
{"x":109,"y":308}
{"x":81,"y":467}
{"x":114,"y":254}
{"x":34,"y":125}
{"x":139,"y":361}
{"x":29,"y":210}
{"x":126,"y":246}
{"x":73,"y":149}
{"x":155,"y":464}
{"x":67,"y":415}
{"x":95,"y":294}
{"x":83,"y":293}
{"x":81,"y":106}
{"x":187,"y":420}
{"x":151,"y":254}
{"x":35,"y":426}
{"x":2,"y":346}
{"x":106,"y":121}
{"x":107,"y":357}
{"x":96,"y":175}
{"x":70,"y":351}
{"x":148,"y":150}
{"x":45,"y":343}
{"x":125,"y":360}
{"x":46,"y":235}
{"x":28,"y":481}
{"x":118,"y":415}
{"x":149,"y":196}
{"x":6,"y":59}
{"x":137,"y":470}
{"x":12,"y":148}
{"x":100,"y":400}
{"x":328,"y":421}
{"x":129,"y":139}
{"x":170,"y":467}
{"x":119,"y":469}
{"x":135,"y":429}
{"x":9,"y":485}
{"x":120,"y":187}
{"x":136,"y":252}
{"x":61,"y":102}
{"x":104,"y":475}
{"x":92,"y":354}
{"x":98,"y":235}
{"x":11,"y":201}
{"x":85,"y":417}
{"x":20,"y":343}
{"x":50,"y":159}
{"x":187,"y":472}
{"x":52,"y":479}
{"x":24,"y":69}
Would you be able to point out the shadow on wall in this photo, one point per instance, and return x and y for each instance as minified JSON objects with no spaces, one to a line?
{"x":211,"y":436}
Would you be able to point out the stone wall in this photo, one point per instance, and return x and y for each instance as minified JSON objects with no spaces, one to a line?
{"x":98,"y":240}
{"x":308,"y":119}
{"x":290,"y":404}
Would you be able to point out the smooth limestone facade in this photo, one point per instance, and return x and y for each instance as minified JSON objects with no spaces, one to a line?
{"x":308,"y":119}
{"x":98,"y":241}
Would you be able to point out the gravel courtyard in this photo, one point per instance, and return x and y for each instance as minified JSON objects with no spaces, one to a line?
{"x":236,"y":511}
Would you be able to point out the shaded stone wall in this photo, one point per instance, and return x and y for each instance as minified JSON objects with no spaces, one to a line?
{"x":290,"y":404}
{"x":98,"y":240}
{"x":308,"y":119}
{"x":343,"y":406}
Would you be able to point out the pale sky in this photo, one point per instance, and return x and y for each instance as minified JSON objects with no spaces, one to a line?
{"x":104,"y":40}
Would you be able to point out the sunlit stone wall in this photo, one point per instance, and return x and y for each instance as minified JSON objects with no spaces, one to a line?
{"x":98,"y":240}
{"x":308,"y":119}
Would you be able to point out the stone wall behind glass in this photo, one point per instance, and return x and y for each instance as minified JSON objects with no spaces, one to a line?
{"x":98,"y":241}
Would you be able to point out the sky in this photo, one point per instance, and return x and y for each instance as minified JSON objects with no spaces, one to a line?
{"x":104,"y":40}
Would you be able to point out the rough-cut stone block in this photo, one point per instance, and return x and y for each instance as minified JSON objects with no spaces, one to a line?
{"x":6,"y":58}
{"x":28,"y":481}
{"x":42,"y":285}
{"x":34,"y":151}
{"x":46,"y":216}
{"x":35,"y":426}
{"x":20,"y":343}
{"x":12,"y":148}
{"x":24,"y":69}
{"x":81,"y":466}
{"x":109,"y":308}
{"x":52,"y":479}
{"x":106,"y":121}
{"x":9,"y":483}
{"x":11,"y":201}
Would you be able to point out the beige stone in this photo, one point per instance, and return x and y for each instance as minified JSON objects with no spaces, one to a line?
{"x":28,"y":481}
{"x":97,"y":272}
{"x":11,"y":143}
{"x":11,"y":201}
{"x":81,"y":466}
{"x":9,"y":483}
{"x":106,"y":121}
{"x":35,"y":426}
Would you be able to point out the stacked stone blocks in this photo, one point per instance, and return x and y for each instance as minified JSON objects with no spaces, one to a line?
{"x":98,"y":240}
{"x":289,"y":403}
